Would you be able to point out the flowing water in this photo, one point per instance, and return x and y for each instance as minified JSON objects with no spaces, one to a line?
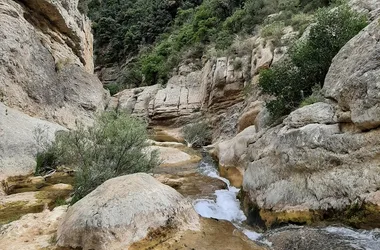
{"x":227,"y":207}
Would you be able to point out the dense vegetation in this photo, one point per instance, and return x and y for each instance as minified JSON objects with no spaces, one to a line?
{"x":309,"y":60}
{"x":115,"y":145}
{"x":150,"y":37}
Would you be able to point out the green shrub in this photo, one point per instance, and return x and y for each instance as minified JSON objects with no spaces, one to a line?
{"x":114,"y":88}
{"x":294,"y":79}
{"x":274,"y":30}
{"x":197,"y":134}
{"x":315,"y":97}
{"x":301,"y":21}
{"x":237,"y":64}
{"x":115,"y":145}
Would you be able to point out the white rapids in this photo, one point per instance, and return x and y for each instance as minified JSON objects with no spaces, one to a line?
{"x":359,"y":239}
{"x":227,"y":207}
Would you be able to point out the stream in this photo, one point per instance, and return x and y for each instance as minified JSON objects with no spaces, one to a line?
{"x":227,"y":207}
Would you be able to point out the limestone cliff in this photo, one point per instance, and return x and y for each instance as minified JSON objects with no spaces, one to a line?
{"x":46,"y":61}
{"x":322,"y":157}
{"x":46,"y":72}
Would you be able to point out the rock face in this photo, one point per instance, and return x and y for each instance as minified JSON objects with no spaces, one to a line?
{"x":324,"y":157}
{"x":353,"y":80}
{"x":22,"y":137}
{"x":46,"y":61}
{"x":371,"y":7}
{"x":125,"y":210}
{"x":218,"y":85}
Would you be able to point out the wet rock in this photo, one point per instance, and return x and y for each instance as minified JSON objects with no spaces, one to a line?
{"x":12,"y":207}
{"x":33,"y":231}
{"x":193,"y":185}
{"x":174,"y":157}
{"x":303,"y":238}
{"x":125,"y":210}
{"x":213,"y":234}
{"x":162,"y":134}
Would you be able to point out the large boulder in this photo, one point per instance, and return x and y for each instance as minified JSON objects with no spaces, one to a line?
{"x":22,"y":137}
{"x":319,"y":112}
{"x":302,"y":174}
{"x":125,"y":210}
{"x":46,"y":61}
{"x":353,"y":80}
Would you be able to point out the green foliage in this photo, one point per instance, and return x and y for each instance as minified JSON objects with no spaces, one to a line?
{"x":113,"y":88}
{"x":158,"y":33}
{"x":115,"y":145}
{"x":292,"y":80}
{"x":60,"y":202}
{"x":273,"y":31}
{"x":197,"y":134}
{"x":237,"y":64}
{"x":45,"y":161}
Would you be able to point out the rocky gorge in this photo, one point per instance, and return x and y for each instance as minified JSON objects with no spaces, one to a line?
{"x":309,"y":181}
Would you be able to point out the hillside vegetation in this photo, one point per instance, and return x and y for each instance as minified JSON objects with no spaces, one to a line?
{"x":150,"y":38}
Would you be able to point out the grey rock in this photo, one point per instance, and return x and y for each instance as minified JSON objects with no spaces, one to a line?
{"x":370,"y":7}
{"x":21,"y":137}
{"x":46,"y":61}
{"x":353,"y":80}
{"x":320,"y":112}
{"x":124,"y":210}
{"x":313,"y":167}
{"x":304,"y":238}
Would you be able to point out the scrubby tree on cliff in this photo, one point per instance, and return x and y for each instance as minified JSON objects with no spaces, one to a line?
{"x":309,"y":60}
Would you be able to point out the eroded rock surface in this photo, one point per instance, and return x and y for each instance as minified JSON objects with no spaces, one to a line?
{"x":324,"y":157}
{"x":32,"y":231}
{"x":46,"y":61}
{"x":353,"y":80}
{"x":125,"y":210}
{"x":22,"y":137}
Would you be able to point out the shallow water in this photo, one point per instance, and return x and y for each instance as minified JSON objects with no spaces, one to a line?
{"x":227,"y":207}
{"x":359,"y":239}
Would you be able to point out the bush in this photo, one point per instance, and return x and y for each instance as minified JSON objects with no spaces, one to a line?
{"x":294,"y":79}
{"x":315,"y":97}
{"x":197,"y":134}
{"x":115,"y":145}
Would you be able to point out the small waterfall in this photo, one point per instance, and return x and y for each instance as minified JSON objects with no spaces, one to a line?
{"x":226,"y":206}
